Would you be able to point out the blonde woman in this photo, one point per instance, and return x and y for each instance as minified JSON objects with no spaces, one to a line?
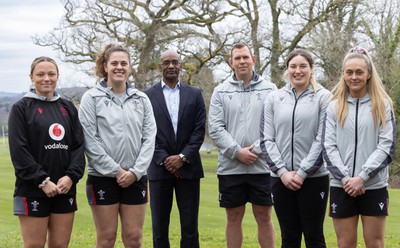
{"x":359,"y":141}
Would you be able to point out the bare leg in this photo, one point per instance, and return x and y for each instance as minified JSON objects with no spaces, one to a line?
{"x":374,"y":231}
{"x":234,"y":235}
{"x":60,"y":228}
{"x":132,"y":220}
{"x":346,"y":231}
{"x":34,"y":230}
{"x":266,"y":234}
{"x":106,"y":222}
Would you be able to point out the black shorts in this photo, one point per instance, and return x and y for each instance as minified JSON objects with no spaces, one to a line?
{"x":237,"y":190}
{"x":106,"y":191}
{"x":44,"y":206}
{"x":371,"y":203}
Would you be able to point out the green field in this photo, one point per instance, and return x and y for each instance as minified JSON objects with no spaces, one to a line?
{"x":211,"y":222}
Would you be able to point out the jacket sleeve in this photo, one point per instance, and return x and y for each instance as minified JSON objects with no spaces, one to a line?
{"x":313,"y":161}
{"x":25,"y":165}
{"x":384,"y":152}
{"x":149,"y":132}
{"x":77,"y":157}
{"x":330,"y":150}
{"x":196,"y":139}
{"x":217,"y":128}
{"x":267,"y":136}
{"x":95,"y":151}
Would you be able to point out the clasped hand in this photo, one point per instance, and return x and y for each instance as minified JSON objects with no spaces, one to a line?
{"x":63,"y":186}
{"x":172,"y":164}
{"x":291,"y":180}
{"x":354,"y":186}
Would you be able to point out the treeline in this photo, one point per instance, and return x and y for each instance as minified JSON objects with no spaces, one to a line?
{"x":204,"y":30}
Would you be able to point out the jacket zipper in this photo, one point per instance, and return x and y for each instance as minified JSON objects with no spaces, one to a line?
{"x":355,"y":139}
{"x":294,"y":110}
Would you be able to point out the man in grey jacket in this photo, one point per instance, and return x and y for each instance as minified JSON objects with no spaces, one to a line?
{"x":243,"y":174}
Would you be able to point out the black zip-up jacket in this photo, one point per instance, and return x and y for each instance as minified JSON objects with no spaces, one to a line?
{"x":45,"y":140}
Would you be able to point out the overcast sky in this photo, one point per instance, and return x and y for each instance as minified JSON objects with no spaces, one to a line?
{"x":19,"y":21}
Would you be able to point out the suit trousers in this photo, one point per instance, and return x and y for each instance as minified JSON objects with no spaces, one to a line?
{"x":187,"y":193}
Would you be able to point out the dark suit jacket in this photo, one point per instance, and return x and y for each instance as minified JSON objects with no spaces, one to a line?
{"x":190,"y":132}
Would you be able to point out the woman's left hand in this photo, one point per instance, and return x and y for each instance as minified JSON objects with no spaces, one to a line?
{"x":354,"y":186}
{"x":64,"y":184}
{"x":126,"y":178}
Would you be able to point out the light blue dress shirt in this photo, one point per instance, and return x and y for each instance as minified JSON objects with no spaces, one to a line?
{"x":172,"y":100}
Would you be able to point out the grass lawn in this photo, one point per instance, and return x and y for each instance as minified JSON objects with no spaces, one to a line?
{"x":211,"y":219}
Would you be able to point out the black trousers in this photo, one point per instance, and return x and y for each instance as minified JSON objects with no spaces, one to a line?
{"x":187,"y":193}
{"x":301,"y":212}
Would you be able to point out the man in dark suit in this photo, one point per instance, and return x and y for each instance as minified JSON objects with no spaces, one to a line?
{"x":180,"y":115}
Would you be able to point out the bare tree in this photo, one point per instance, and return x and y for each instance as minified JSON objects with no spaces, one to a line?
{"x":283,"y":26}
{"x":146,"y":27}
{"x":382,"y":27}
{"x":331,"y":40}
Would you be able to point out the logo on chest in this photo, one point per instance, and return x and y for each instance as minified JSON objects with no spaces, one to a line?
{"x":56,"y":131}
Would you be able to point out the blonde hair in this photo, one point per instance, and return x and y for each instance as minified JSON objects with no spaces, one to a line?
{"x":43,"y":59}
{"x":103,"y":57}
{"x":375,"y":89}
{"x":305,"y":54}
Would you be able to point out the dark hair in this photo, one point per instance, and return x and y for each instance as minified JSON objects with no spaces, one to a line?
{"x":43,"y":59}
{"x":239,"y":46}
{"x":104,"y":56}
{"x":300,"y":52}
{"x":305,"y":54}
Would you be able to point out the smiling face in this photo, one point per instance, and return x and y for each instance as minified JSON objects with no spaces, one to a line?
{"x":242,"y":63}
{"x":299,"y":71}
{"x":44,"y":77}
{"x":117,"y":68}
{"x":356,"y":76}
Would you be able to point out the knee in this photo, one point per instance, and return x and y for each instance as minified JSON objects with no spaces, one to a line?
{"x":375,"y":243}
{"x":314,"y":236}
{"x":132,"y":239}
{"x":234,"y":217}
{"x":35,"y":244}
{"x":263,"y":219}
{"x":106,"y":240}
{"x":347,"y":243}
{"x":57,"y":244}
{"x":291,"y":239}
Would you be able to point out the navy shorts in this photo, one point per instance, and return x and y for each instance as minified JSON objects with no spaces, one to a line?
{"x":237,"y":190}
{"x":371,"y":203}
{"x":106,"y":191}
{"x":44,"y":206}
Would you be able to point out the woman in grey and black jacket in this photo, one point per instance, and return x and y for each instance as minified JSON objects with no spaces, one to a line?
{"x":291,"y":127}
{"x":120,"y":130}
{"x":359,"y":139}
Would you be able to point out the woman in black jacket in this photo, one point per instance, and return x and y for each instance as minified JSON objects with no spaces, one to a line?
{"x":47,"y":152}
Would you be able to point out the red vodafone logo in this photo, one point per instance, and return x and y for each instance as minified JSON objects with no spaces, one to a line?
{"x":56,"y":131}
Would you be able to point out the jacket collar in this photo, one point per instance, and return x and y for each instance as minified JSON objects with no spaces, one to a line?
{"x":32,"y":94}
{"x":254,"y":80}
{"x":102,"y":86}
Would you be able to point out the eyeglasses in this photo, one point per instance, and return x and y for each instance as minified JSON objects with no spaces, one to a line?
{"x":359,"y":50}
{"x":173,"y":62}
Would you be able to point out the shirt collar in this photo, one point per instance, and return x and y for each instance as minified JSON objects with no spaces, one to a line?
{"x":163,"y":84}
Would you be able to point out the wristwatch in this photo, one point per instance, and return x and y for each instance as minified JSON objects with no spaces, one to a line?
{"x":183,"y":157}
